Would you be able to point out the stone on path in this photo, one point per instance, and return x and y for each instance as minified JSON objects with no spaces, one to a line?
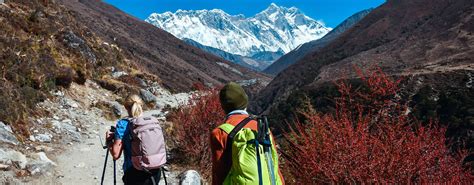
{"x":44,"y":138}
{"x":3,"y":167}
{"x":190,"y":177}
{"x":147,"y":96}
{"x":13,"y":157}
{"x":6,"y":135}
{"x":41,"y":164}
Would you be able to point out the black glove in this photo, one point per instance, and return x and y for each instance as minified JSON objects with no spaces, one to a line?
{"x":110,"y":136}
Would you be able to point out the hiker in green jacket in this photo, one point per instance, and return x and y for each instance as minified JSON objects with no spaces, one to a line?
{"x":234,"y":160}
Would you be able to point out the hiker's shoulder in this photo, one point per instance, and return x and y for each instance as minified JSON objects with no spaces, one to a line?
{"x":122,"y":123}
{"x":219,"y":133}
{"x":218,"y":130}
{"x":237,"y":118}
{"x":124,"y":120}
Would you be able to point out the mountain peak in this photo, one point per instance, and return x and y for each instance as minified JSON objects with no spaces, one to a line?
{"x":294,"y":10}
{"x":218,"y":11}
{"x":273,"y":8}
{"x":275,"y":11}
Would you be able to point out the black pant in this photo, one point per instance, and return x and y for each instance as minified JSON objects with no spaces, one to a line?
{"x":137,"y":177}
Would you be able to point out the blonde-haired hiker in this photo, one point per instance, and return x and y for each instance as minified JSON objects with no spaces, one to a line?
{"x":141,"y":140}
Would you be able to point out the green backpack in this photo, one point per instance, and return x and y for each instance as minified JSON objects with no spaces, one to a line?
{"x":254,"y":157}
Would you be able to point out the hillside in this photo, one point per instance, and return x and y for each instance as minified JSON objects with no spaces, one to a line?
{"x":402,"y":37}
{"x":312,"y":46}
{"x":427,"y":44}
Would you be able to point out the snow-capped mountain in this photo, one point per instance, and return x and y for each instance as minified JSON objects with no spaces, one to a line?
{"x":275,"y":29}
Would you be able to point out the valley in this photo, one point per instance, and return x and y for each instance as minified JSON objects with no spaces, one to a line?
{"x":66,"y":67}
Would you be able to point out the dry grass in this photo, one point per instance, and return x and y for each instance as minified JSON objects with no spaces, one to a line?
{"x":36,"y":59}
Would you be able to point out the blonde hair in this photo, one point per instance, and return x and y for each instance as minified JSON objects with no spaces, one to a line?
{"x":134,"y":105}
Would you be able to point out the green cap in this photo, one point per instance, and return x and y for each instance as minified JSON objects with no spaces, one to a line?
{"x":233,"y":97}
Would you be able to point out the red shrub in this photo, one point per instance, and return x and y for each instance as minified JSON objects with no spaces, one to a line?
{"x":198,"y":86}
{"x":193,"y":125}
{"x":370,"y":139}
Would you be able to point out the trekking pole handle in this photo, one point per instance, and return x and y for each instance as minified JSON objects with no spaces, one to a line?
{"x":110,"y":141}
{"x":260,"y":129}
{"x":267,"y":128}
{"x":265,"y":133}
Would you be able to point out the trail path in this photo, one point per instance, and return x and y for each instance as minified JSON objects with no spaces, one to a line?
{"x":82,"y":162}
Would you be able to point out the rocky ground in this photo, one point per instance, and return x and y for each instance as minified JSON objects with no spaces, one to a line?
{"x":65,"y":147}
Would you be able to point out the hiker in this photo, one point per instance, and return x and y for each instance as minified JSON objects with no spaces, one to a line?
{"x":234,"y":101}
{"x":142,"y":142}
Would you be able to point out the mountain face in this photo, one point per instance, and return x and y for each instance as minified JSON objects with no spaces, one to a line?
{"x":428,"y":44}
{"x":276,"y":29}
{"x":177,"y":64}
{"x":309,"y":47}
{"x":257,"y":63}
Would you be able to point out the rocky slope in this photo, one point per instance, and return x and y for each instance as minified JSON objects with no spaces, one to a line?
{"x":309,"y":47}
{"x":274,"y":29}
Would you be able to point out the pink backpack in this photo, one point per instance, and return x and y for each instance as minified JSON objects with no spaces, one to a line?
{"x":148,"y":143}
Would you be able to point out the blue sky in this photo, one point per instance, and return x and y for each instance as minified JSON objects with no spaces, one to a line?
{"x":331,"y":12}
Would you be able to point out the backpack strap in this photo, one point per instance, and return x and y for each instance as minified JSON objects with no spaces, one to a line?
{"x":237,"y":128}
{"x":130,"y":127}
{"x":231,"y":133}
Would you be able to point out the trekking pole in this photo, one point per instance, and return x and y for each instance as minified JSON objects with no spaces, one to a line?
{"x":105,"y":165}
{"x":115,"y":173}
{"x":106,"y":146}
{"x":164,"y":175}
{"x":259,"y":140}
{"x":267,"y":150}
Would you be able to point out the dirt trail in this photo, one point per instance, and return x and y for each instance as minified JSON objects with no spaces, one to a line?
{"x":82,"y":162}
